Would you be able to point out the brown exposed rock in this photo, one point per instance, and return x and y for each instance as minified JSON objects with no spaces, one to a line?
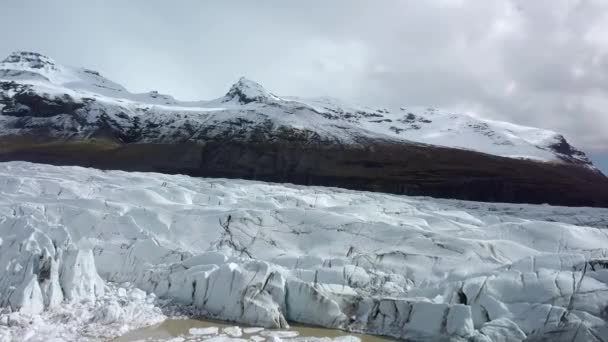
{"x":411,"y":169}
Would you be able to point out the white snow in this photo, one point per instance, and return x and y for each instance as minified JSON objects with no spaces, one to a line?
{"x":246,"y":90}
{"x":264,"y":254}
{"x":248,"y":105}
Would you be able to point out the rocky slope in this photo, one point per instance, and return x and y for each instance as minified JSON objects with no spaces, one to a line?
{"x":55,"y":114}
{"x":264,"y":254}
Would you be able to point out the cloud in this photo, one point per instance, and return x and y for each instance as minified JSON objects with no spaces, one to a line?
{"x":541,"y":63}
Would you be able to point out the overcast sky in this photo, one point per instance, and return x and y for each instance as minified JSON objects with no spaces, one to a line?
{"x":541,"y":63}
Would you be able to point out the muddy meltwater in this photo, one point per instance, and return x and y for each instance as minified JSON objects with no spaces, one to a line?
{"x":199,"y":330}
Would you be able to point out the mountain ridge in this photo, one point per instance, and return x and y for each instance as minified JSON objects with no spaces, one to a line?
{"x":48,"y":110}
{"x":423,"y":125}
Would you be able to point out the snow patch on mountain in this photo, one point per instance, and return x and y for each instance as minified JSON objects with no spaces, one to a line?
{"x":32,"y":64}
{"x":266,"y":255}
{"x":246,"y":91}
{"x":27,"y":78}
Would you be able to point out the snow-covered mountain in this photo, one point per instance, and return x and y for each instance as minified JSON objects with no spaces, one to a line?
{"x":87,"y":254}
{"x":38,"y":94}
{"x":55,"y":114}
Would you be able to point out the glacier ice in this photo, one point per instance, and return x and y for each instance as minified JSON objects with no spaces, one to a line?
{"x":265,"y":255}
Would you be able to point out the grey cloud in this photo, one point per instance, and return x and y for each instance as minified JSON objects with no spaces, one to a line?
{"x":540,"y":63}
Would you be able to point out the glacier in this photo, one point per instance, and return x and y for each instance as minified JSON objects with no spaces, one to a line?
{"x":104,"y":248}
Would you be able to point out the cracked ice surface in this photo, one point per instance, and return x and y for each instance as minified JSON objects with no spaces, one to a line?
{"x":264,"y":254}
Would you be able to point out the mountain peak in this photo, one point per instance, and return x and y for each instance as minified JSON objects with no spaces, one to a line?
{"x":21,"y":65}
{"x":29,"y":59}
{"x":245,"y":91}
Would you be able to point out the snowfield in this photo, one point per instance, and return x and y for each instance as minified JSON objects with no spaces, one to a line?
{"x":88,"y":254}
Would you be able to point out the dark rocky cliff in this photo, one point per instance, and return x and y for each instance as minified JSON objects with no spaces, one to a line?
{"x":400,"y":168}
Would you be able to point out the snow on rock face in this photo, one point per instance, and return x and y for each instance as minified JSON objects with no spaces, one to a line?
{"x":28,"y":60}
{"x":246,"y":91}
{"x":245,"y":111}
{"x":265,"y":254}
{"x":44,"y":71}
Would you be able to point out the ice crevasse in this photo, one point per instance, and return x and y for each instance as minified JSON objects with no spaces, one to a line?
{"x":414,"y":268}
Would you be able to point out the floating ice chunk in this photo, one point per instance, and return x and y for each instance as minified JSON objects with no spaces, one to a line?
{"x":280,"y":333}
{"x":233,"y":331}
{"x":347,"y":338}
{"x":176,"y":339}
{"x":204,"y":331}
{"x":225,"y":339}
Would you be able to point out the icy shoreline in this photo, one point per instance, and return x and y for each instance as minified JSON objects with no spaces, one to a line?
{"x":263,"y":254}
